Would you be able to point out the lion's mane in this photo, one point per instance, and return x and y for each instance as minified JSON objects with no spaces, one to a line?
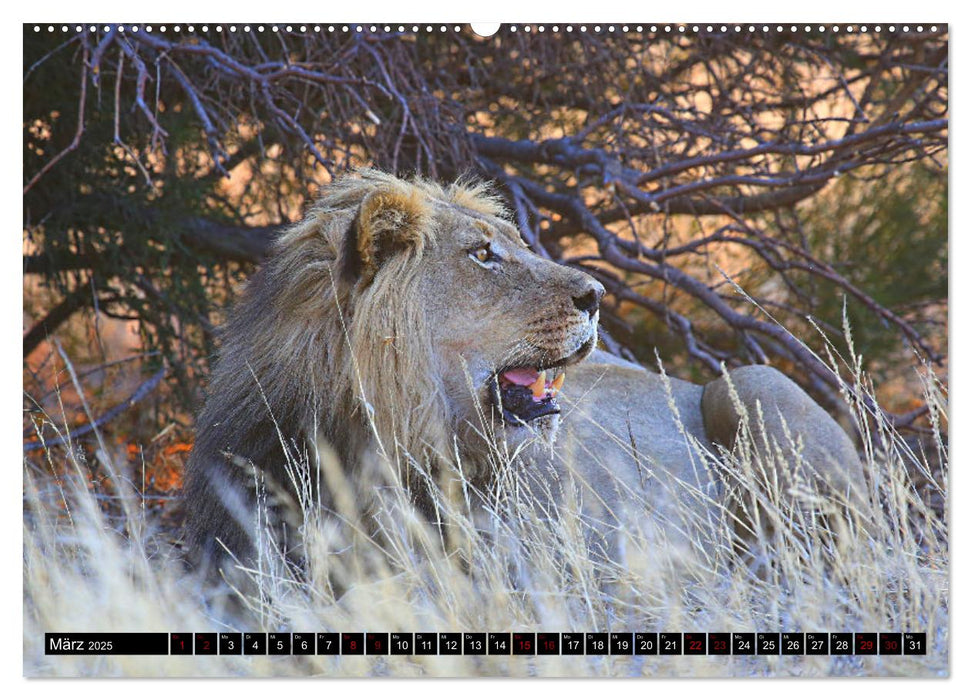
{"x":318,"y":349}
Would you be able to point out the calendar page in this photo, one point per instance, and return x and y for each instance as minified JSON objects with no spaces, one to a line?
{"x":610,"y":350}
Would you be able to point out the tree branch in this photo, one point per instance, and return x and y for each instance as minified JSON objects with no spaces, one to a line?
{"x":73,"y":302}
{"x":245,"y":244}
{"x":143,"y":390}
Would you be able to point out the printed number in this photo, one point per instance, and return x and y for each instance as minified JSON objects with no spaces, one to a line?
{"x":719,"y":645}
{"x":303,"y":645}
{"x":792,"y":645}
{"x":327,"y":643}
{"x":841,"y":645}
{"x":817,"y":643}
{"x":646,"y":645}
{"x":694,"y":645}
{"x":597,"y":644}
{"x":866,"y":645}
{"x":669,"y":644}
{"x":573,"y":643}
{"x":891,"y":644}
{"x":744,"y":645}
{"x":451,"y":644}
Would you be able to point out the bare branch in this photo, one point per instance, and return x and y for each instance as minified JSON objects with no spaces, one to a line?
{"x":66,"y":308}
{"x":143,"y":390}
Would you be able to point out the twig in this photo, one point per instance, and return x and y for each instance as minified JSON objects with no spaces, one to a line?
{"x":102,"y":367}
{"x":80,"y":130}
{"x":143,"y":390}
{"x":118,"y":141}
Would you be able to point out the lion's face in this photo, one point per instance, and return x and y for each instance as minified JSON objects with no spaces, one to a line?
{"x":505,"y":323}
{"x":500,"y":323}
{"x":456,"y":321}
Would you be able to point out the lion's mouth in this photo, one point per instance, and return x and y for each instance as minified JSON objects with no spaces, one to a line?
{"x":525,"y":393}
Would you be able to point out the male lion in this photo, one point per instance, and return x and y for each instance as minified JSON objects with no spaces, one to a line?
{"x":413,"y":315}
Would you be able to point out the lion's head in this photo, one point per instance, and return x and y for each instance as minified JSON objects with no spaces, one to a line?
{"x":436,"y":315}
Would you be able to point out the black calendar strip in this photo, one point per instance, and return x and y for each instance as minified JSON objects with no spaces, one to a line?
{"x":490,"y":643}
{"x":132,"y":643}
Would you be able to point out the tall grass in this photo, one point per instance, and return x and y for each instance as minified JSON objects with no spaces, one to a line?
{"x":503,"y":561}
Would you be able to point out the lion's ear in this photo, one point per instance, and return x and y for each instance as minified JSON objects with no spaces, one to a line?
{"x":390,"y":221}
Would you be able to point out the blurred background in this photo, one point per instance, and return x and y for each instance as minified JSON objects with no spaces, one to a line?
{"x":724,"y":186}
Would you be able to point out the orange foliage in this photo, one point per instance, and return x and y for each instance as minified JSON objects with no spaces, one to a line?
{"x":164,"y":463}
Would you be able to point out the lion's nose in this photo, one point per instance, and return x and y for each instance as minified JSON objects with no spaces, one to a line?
{"x":589,"y":301}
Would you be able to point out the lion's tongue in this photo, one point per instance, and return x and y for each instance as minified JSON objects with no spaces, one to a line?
{"x":527,"y":394}
{"x":529,"y":378}
{"x":523,"y":376}
{"x":541,"y":385}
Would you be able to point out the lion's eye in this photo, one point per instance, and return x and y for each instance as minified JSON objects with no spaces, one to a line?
{"x":483,"y":254}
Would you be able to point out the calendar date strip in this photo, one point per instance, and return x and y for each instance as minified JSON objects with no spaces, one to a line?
{"x":488,"y":643}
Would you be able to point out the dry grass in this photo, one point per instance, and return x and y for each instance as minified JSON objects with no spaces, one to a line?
{"x":377,"y":565}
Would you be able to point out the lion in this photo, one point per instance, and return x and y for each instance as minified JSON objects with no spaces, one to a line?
{"x":413,"y":316}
